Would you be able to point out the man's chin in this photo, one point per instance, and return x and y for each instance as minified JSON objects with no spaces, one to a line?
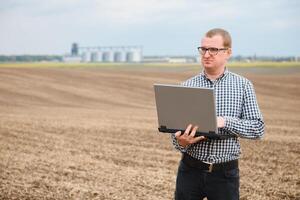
{"x":206,"y":65}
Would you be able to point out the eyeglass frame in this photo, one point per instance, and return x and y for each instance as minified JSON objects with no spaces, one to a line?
{"x":208,"y":49}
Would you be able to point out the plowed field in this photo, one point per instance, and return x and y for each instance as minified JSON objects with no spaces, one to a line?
{"x":91,"y":133}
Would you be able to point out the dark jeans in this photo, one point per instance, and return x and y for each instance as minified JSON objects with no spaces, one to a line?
{"x":194,"y":184}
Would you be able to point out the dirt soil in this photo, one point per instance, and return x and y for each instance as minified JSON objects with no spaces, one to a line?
{"x":92,"y":134}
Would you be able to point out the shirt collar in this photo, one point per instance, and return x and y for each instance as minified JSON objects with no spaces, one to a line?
{"x":203,"y":74}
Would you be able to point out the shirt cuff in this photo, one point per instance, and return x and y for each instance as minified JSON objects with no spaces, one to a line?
{"x":229,"y":125}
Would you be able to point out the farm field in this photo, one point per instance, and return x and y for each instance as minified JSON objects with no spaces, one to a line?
{"x":259,"y":64}
{"x":91,"y":133}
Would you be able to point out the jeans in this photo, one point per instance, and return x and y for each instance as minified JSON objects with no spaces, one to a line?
{"x":195,"y":184}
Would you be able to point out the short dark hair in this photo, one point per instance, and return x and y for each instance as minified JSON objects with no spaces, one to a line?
{"x":225,"y":35}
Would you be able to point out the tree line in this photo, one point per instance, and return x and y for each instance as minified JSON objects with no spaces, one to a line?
{"x":30,"y":58}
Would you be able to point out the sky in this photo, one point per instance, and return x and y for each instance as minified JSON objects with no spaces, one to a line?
{"x":162,"y":27}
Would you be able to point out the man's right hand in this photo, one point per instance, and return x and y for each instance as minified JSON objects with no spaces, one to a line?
{"x":188,"y":137}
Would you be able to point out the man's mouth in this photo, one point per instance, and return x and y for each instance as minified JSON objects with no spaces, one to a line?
{"x":207,"y":61}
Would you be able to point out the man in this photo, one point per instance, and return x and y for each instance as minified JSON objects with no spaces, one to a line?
{"x":209,"y":167}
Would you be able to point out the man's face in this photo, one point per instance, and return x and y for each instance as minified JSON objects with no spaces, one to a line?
{"x":214,"y":61}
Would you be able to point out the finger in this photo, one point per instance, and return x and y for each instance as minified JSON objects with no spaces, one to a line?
{"x":188,"y":129}
{"x":178,"y":134}
{"x":198,"y":139}
{"x":193,"y":131}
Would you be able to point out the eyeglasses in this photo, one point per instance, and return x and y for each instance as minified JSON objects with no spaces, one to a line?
{"x":212,"y":50}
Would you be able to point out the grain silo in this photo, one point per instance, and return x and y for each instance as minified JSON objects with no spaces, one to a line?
{"x":134,"y":55}
{"x":109,"y":53}
{"x":108,"y":56}
{"x":86,"y":56}
{"x":117,"y":56}
{"x":99,"y":56}
{"x":120,"y":56}
{"x":93,"y":56}
{"x":96,"y":56}
{"x":129,"y":56}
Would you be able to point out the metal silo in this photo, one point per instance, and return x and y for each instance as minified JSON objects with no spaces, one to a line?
{"x":136,"y":55}
{"x":120,"y":56}
{"x":108,"y":56}
{"x":94,"y":56}
{"x":105,"y":56}
{"x":117,"y":56}
{"x":123,"y":56}
{"x":86,"y":56}
{"x":98,"y":56}
{"x":129,"y":56}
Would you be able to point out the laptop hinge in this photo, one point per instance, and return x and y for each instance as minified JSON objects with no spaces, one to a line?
{"x":162,"y":129}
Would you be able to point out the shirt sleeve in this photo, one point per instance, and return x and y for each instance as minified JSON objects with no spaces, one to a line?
{"x":177,"y":145}
{"x":251,"y":124}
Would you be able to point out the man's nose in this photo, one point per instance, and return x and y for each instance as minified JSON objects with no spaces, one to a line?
{"x":206,"y":54}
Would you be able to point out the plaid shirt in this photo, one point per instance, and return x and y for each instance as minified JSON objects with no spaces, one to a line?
{"x":236,"y":102}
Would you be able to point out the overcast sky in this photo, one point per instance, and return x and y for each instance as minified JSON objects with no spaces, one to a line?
{"x":162,"y":27}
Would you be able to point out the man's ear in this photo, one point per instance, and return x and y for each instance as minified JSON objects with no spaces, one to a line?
{"x":229,"y":53}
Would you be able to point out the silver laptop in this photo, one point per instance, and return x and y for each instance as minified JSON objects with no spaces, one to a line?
{"x":178,"y":106}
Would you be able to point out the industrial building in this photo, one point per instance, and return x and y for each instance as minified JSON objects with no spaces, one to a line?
{"x":121,"y":54}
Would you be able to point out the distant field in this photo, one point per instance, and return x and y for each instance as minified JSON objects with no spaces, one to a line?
{"x":142,"y":65}
{"x":73,"y":132}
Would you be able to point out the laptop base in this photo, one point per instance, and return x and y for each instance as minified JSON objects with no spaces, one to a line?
{"x":210,"y":135}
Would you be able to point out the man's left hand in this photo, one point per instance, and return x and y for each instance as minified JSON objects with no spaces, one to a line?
{"x":220,"y":122}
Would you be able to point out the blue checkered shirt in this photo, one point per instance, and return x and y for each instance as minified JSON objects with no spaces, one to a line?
{"x":236,"y":102}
